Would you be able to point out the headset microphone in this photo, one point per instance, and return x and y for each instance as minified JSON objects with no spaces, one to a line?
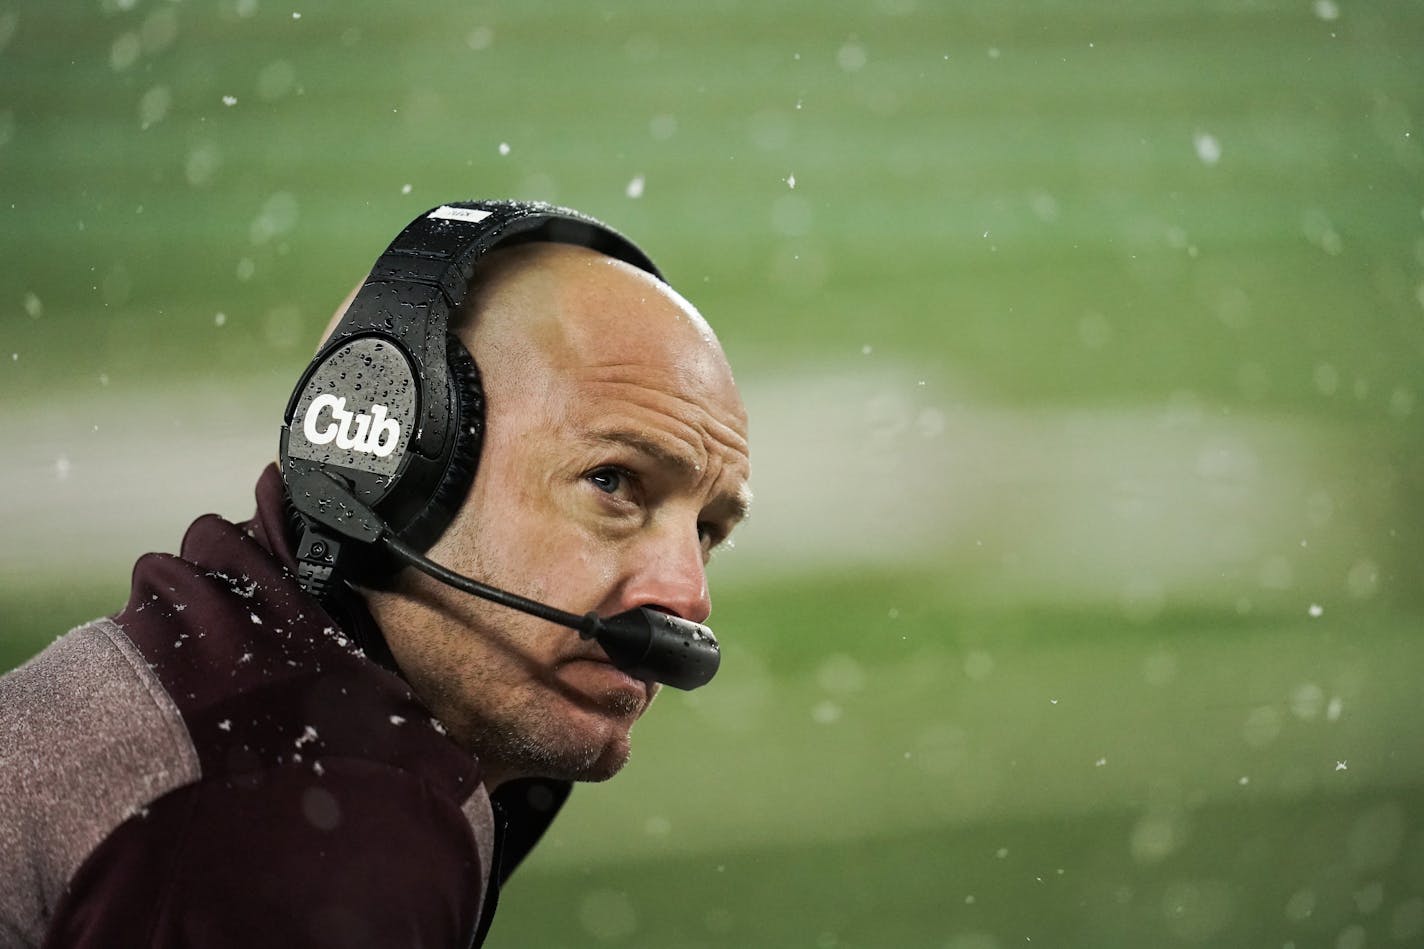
{"x":381,"y":437}
{"x":642,"y":642}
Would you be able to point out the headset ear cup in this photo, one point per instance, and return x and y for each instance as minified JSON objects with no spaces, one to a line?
{"x":468,"y":407}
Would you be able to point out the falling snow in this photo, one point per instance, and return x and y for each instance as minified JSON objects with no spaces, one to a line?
{"x":1208,"y":148}
{"x":1278,"y":715}
{"x":851,"y":57}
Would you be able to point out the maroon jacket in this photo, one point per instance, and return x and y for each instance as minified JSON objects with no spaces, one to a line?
{"x":223,"y":764}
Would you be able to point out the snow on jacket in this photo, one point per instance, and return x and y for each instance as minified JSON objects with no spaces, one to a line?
{"x":223,"y":764}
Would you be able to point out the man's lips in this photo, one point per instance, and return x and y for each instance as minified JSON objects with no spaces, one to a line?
{"x":616,"y":677}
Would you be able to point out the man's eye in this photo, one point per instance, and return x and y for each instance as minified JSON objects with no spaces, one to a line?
{"x":608,"y":480}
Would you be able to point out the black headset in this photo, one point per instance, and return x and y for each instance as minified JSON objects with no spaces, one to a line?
{"x":381,"y":437}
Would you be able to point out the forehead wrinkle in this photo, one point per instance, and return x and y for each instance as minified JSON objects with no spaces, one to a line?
{"x":700,"y":423}
{"x":704,"y":361}
{"x":698,"y":379}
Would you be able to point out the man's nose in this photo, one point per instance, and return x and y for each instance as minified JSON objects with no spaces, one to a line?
{"x":670,"y":575}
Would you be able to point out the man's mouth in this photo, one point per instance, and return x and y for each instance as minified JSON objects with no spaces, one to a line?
{"x":609,"y":686}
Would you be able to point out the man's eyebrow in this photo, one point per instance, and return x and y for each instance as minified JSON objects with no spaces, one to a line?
{"x":739,"y":505}
{"x":736,"y":505}
{"x":650,"y":447}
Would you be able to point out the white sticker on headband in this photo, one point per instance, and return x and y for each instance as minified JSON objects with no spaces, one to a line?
{"x":447,"y":213}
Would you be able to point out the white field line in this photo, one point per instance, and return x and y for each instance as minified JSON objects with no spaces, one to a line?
{"x":1135,"y":506}
{"x":93,"y":482}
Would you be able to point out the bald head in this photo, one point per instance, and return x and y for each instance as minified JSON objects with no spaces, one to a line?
{"x":541,"y":308}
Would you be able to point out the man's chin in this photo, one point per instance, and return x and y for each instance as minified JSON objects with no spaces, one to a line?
{"x":599,"y":748}
{"x":588,"y":763}
{"x":566,"y":742}
{"x":606,"y":766}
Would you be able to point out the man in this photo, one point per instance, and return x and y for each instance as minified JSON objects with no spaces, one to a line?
{"x":230,"y":761}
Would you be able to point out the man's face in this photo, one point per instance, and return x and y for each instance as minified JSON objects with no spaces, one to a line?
{"x":615,"y":460}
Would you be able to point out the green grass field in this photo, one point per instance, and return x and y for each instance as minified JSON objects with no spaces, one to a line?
{"x":1081,"y":604}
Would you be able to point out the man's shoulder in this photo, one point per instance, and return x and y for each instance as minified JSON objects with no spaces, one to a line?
{"x":87,"y":739}
{"x":214,"y":695}
{"x":263,"y":677}
{"x":87,"y":714}
{"x":106,"y":795}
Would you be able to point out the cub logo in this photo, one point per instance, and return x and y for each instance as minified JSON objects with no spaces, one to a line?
{"x":375,"y":434}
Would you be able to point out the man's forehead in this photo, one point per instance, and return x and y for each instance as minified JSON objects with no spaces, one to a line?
{"x":559,"y":318}
{"x":562,"y":309}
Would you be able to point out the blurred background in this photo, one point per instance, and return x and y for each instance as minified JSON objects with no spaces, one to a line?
{"x":1081,"y":604}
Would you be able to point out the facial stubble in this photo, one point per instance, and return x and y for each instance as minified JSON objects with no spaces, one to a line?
{"x":517,"y":716}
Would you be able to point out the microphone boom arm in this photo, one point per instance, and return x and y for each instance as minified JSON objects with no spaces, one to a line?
{"x":643,"y":642}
